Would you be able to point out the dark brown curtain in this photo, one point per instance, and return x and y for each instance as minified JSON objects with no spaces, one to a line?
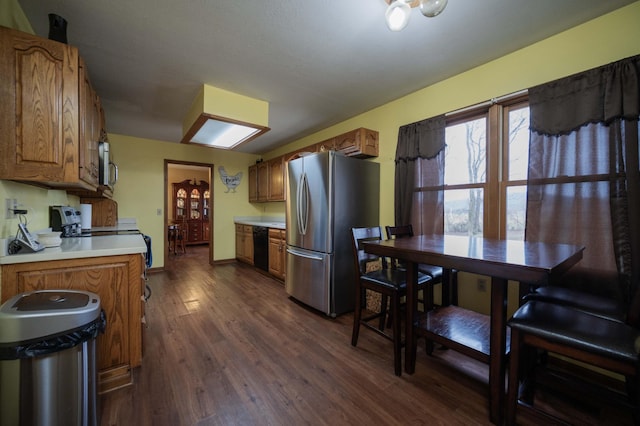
{"x":584,"y":181}
{"x":420,"y":164}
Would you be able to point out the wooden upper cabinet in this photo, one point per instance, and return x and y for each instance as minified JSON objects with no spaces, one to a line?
{"x":268,"y":180}
{"x":263,"y":181}
{"x":361,"y":143}
{"x":91,"y":128}
{"x":328,"y":145}
{"x":50,"y":115}
{"x":253,"y":183}
{"x":38,"y":109}
{"x":277,"y":178}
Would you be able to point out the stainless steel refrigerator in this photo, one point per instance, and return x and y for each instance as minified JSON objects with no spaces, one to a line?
{"x":328,"y":194}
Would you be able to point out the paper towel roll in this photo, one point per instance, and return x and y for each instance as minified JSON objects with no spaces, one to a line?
{"x":85,"y":216}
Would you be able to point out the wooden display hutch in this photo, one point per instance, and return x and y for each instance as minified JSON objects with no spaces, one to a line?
{"x":191,"y":208}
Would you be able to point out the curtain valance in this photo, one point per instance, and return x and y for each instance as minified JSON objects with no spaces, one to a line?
{"x":423,"y":139}
{"x":599,"y":95}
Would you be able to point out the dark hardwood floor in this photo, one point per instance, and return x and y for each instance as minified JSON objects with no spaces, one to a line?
{"x":224,"y":345}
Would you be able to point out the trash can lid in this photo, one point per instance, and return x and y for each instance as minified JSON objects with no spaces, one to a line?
{"x":37,"y":314}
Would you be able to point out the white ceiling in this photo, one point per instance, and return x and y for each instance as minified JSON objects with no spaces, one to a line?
{"x":317,"y":63}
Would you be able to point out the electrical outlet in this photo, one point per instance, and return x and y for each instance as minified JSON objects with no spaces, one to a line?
{"x":11,"y":205}
{"x":482,"y":285}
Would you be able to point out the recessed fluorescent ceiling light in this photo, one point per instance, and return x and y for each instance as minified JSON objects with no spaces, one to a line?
{"x":222,"y":119}
{"x":220,"y":134}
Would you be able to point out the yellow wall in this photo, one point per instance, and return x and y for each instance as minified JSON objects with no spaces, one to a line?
{"x":140,"y":190}
{"x":12,"y":16}
{"x":608,"y":38}
{"x":33,"y":199}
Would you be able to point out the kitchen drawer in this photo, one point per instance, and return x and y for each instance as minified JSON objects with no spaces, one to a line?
{"x":277,"y":233}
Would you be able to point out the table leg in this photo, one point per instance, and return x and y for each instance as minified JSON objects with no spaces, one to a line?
{"x":497,"y":348}
{"x":411,"y":309}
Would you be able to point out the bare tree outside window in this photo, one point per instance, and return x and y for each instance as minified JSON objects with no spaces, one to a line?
{"x":466,"y":174}
{"x":465,"y":165}
{"x":516,"y":191}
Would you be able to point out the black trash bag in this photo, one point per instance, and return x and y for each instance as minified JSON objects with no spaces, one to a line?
{"x":55,"y":343}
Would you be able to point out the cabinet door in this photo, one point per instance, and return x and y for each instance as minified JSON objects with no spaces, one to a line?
{"x":39,"y":103}
{"x":361,"y":143}
{"x":117,"y":280}
{"x":276,"y":179}
{"x":248,"y":243}
{"x":239,"y":242}
{"x":274,"y":252}
{"x":263,"y":181}
{"x":277,"y":254}
{"x":90,"y":129}
{"x":253,"y":184}
{"x":283,"y":253}
{"x":180,"y":203}
{"x":194,"y":205}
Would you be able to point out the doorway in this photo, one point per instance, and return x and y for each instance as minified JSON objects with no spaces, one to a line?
{"x":194,"y":215}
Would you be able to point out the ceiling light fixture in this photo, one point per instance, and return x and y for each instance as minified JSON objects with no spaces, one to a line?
{"x":224,"y":120}
{"x":398,"y":12}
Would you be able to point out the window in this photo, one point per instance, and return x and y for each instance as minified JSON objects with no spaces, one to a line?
{"x":485,"y":171}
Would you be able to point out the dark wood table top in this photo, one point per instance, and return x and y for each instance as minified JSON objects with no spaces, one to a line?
{"x":529,"y":262}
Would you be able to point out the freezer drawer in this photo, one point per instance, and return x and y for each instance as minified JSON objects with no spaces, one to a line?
{"x":308,"y":278}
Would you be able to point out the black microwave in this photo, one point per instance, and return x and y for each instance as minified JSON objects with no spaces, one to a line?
{"x":108,"y":171}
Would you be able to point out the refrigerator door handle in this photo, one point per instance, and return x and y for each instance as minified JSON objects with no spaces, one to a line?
{"x":303,"y":204}
{"x":308,"y":256}
{"x":299,"y":206}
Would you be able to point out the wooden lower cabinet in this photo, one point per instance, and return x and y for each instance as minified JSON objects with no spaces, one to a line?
{"x":119,"y":283}
{"x":277,"y":252}
{"x":244,"y":243}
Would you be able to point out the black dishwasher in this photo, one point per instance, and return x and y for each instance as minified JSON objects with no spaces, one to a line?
{"x":261,"y":247}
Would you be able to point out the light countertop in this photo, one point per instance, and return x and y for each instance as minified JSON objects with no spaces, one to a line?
{"x":82,"y":247}
{"x":268,"y":222}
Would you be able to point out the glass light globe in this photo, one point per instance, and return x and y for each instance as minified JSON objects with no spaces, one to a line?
{"x":431,"y":8}
{"x":397,"y":15}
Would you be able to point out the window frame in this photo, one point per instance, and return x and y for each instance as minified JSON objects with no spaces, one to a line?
{"x":496,"y":184}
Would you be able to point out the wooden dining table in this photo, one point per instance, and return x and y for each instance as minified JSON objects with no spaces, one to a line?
{"x":502,"y":260}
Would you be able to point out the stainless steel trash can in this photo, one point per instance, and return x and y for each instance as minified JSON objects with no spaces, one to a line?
{"x":48,"y":358}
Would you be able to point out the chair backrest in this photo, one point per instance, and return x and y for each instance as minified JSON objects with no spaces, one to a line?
{"x":399,"y":231}
{"x":362,"y":258}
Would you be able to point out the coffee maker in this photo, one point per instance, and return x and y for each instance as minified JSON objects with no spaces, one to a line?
{"x":66,"y":220}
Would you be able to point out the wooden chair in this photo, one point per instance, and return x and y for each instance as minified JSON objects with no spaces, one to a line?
{"x":177,"y":237}
{"x":446,"y":277}
{"x":389,"y":283}
{"x":594,"y":339}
